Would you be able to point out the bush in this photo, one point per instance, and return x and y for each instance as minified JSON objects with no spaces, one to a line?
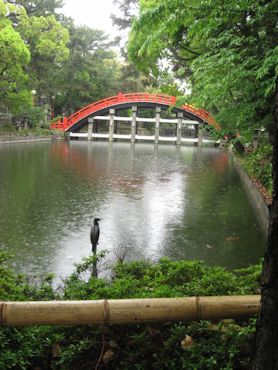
{"x":223,"y":344}
{"x":33,"y":115}
{"x":258,"y":164}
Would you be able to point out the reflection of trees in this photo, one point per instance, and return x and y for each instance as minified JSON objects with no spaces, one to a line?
{"x":185,"y":198}
{"x":99,"y":165}
{"x":219,"y":224}
{"x":48,"y":191}
{"x":41,"y":201}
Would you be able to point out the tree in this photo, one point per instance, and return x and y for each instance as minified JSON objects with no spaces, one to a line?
{"x":127,"y":10}
{"x":39,"y":7}
{"x":47,"y":40}
{"x":265,"y":350}
{"x":90,"y":73}
{"x":133,"y":79}
{"x":229,"y":52}
{"x":15,"y":57}
{"x":32,"y":49}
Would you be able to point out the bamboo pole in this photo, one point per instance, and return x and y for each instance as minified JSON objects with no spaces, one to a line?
{"x":124,"y":311}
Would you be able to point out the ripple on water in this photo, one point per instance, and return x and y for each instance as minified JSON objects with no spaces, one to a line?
{"x":154,"y":202}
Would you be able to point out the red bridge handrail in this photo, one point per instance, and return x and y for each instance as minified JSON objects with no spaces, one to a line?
{"x":67,"y":122}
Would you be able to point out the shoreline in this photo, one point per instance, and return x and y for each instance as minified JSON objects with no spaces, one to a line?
{"x":11,"y":139}
{"x":255,"y":195}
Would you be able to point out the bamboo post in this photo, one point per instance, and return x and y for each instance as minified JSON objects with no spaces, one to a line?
{"x":125,"y":311}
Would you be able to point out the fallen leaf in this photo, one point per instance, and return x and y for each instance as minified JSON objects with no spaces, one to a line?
{"x":108,"y":356}
{"x":187,"y":342}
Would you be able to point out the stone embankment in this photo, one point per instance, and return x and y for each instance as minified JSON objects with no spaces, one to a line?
{"x":11,"y":139}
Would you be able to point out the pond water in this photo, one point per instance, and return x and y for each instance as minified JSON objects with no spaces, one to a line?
{"x":155,"y":201}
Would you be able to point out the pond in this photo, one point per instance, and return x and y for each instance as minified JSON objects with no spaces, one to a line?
{"x":154,"y":201}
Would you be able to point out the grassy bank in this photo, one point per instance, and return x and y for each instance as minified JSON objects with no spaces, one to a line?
{"x":11,"y":130}
{"x":222,"y":344}
{"x":257,"y":163}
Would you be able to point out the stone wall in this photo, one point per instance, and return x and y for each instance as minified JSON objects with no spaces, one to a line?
{"x":24,"y":139}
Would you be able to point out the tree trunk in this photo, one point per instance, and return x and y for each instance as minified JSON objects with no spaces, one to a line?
{"x":265,"y":355}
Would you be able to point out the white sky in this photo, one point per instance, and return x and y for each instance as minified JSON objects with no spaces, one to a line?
{"x":92,"y":13}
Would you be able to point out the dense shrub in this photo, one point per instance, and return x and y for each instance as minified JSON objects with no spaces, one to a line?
{"x":258,"y":164}
{"x":223,"y":344}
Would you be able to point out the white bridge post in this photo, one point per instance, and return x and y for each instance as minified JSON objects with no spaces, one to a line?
{"x":200,"y":134}
{"x":157,"y":123}
{"x":111,"y":124}
{"x":133,"y":123}
{"x":179,"y":127}
{"x":90,"y":128}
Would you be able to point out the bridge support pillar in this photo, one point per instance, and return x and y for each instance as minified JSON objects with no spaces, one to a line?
{"x":90,"y":128}
{"x":133,"y":123}
{"x":179,"y":128}
{"x":196,"y":129}
{"x":157,"y":123}
{"x":200,"y":134}
{"x":111,"y":123}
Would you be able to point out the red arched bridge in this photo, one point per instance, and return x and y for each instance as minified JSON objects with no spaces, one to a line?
{"x":105,"y":109}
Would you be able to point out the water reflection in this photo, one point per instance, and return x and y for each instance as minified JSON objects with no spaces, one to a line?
{"x":155,"y":201}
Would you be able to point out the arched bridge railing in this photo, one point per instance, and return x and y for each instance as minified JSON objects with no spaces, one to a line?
{"x":67,"y":122}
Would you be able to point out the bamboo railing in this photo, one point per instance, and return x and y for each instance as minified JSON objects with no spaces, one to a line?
{"x":124,"y":311}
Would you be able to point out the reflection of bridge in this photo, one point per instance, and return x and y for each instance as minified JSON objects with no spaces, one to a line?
{"x":118,"y":117}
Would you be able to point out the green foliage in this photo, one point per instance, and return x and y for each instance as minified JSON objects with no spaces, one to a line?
{"x":17,"y":287}
{"x":93,"y":71}
{"x":11,"y":130}
{"x":31,"y":49}
{"x":226,"y":49}
{"x":258,"y":164}
{"x":68,"y":66}
{"x":14,"y":55}
{"x":24,"y":111}
{"x":39,"y":7}
{"x":46,"y":39}
{"x":19,"y":101}
{"x":33,"y":115}
{"x":222,"y":344}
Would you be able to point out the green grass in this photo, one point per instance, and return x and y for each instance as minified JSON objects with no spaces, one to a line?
{"x":257,"y":164}
{"x":11,"y":130}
